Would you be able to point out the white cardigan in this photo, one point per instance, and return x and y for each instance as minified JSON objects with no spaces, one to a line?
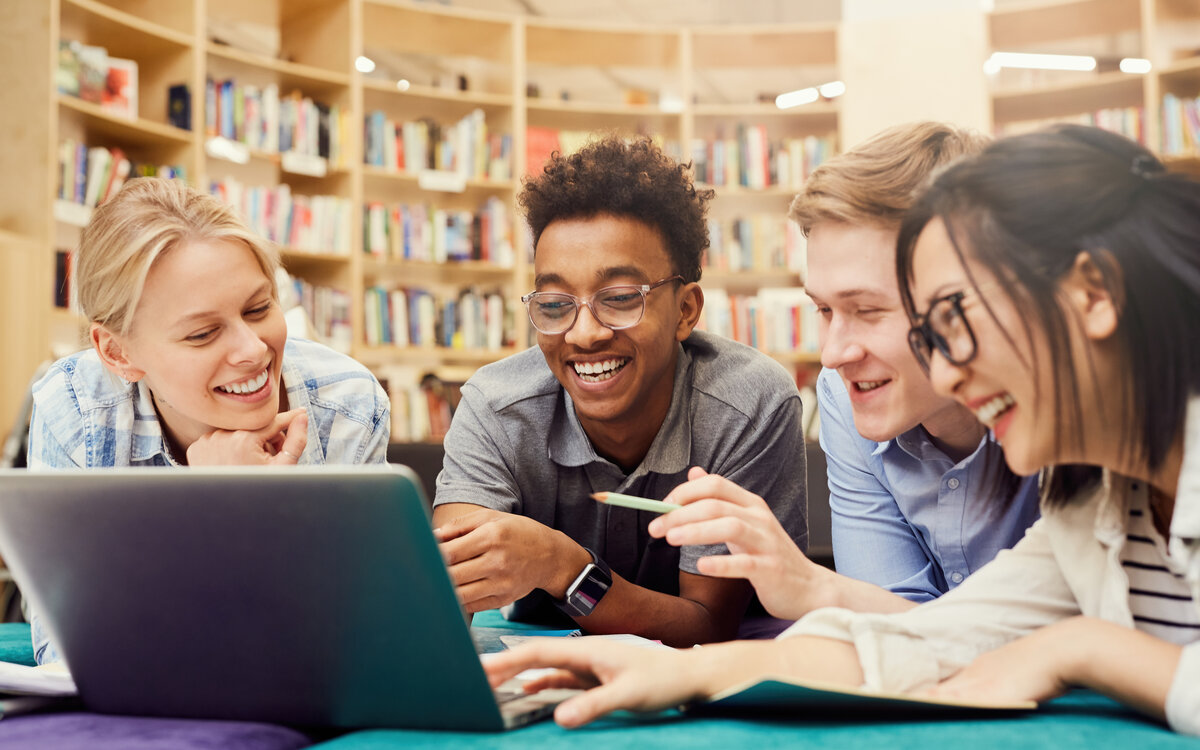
{"x":1068,"y":563}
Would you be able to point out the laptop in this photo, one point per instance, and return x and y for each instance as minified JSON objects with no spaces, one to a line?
{"x":311,"y":596}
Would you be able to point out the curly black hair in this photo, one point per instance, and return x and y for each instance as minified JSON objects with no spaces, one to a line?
{"x":632,"y":179}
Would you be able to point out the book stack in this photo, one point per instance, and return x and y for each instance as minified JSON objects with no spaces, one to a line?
{"x":419,"y":232}
{"x":1127,"y":121}
{"x":89,"y":73}
{"x":88,"y":176}
{"x":759,"y":242}
{"x":541,"y":142}
{"x":313,"y":223}
{"x":327,"y":308}
{"x":466,"y":148}
{"x":1180,"y":125}
{"x":421,"y":412}
{"x":265,"y":120}
{"x":417,"y":317}
{"x":779,"y":321}
{"x":750,"y":160}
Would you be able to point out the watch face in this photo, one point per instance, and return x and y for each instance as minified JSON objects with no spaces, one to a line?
{"x":589,"y":589}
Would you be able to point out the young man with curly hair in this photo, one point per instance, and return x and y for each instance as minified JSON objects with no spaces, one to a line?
{"x":621,"y":395}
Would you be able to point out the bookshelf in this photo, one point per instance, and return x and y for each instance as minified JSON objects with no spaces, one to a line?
{"x":483,"y":83}
{"x":1138,"y":105}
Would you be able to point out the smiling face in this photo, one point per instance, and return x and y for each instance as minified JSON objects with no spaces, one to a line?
{"x":620,"y":381}
{"x":863,"y":333}
{"x":1007,"y":384}
{"x":207,"y":338}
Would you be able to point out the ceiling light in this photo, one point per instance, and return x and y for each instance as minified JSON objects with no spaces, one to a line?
{"x":810,"y":95}
{"x":364,"y":64}
{"x":403,"y":84}
{"x":1044,"y":62}
{"x":1135,"y":65}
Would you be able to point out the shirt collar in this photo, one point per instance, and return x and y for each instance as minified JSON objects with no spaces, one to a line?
{"x":148,"y":438}
{"x":568,"y":445}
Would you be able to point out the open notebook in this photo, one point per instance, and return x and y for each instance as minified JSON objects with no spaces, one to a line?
{"x":785,"y":696}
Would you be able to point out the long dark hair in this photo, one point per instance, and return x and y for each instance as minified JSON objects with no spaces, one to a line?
{"x":1027,"y":206}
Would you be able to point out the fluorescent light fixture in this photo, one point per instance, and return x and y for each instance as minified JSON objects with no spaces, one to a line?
{"x":810,"y":95}
{"x":403,"y":84}
{"x":364,"y":64}
{"x":1135,"y":65}
{"x":832,"y":89}
{"x":1043,"y":62}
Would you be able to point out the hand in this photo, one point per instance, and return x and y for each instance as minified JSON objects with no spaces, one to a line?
{"x":619,"y":676}
{"x":717,"y":511}
{"x":1037,"y":667}
{"x":496,"y":558}
{"x":280,"y":443}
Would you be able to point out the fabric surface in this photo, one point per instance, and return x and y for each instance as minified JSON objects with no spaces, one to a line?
{"x":904,"y":516}
{"x":85,"y":731}
{"x":1082,"y":720}
{"x":516,"y":445}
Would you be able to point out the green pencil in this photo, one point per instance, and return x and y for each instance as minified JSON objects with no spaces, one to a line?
{"x":637,"y":503}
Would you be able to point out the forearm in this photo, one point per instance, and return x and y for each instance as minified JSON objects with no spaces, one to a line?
{"x":721,"y":666}
{"x":861,"y":596}
{"x":1127,"y":665}
{"x":675,"y":620}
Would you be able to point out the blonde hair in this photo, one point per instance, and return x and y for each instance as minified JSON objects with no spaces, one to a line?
{"x":149,"y":217}
{"x":878,"y":180}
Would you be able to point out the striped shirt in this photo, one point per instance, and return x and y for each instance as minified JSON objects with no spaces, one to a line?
{"x":1159,"y":597}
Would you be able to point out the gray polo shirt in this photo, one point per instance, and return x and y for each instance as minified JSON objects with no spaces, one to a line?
{"x":516,"y":445}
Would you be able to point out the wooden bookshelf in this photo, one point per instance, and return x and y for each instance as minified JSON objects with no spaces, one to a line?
{"x":433,"y":62}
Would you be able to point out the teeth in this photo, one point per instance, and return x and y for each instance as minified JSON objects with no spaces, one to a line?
{"x":869,"y":385}
{"x":247,"y":386}
{"x":994,"y":408}
{"x":595,"y":372}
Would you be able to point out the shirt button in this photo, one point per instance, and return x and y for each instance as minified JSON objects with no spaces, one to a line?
{"x":956,"y":576}
{"x":953,"y":483}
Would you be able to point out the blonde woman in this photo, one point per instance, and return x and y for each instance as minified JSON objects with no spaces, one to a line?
{"x":190,"y":362}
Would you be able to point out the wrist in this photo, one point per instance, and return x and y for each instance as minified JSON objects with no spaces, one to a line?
{"x":567,"y":561}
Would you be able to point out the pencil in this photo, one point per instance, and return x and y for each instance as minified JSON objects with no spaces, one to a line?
{"x":637,"y":503}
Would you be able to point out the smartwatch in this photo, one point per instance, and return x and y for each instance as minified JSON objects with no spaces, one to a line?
{"x":588,"y":588}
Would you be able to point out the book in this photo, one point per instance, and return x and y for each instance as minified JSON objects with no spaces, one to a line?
{"x":179,"y":106}
{"x":120,"y":94}
{"x":786,"y":696}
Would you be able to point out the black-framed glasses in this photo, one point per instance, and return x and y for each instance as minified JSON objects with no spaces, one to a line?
{"x":945,"y":328}
{"x":614,"y":307}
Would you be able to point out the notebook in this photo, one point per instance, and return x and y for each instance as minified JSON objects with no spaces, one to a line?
{"x":312,"y":596}
{"x":792,"y":697}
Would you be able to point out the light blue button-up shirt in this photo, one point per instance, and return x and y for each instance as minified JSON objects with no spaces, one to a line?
{"x":84,"y":417}
{"x":905,"y":516}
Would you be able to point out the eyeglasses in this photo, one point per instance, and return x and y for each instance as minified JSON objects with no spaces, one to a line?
{"x":614,"y":307}
{"x":946,"y":329}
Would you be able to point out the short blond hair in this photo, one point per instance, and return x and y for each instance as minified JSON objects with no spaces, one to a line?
{"x":879,"y":179}
{"x":149,"y":217}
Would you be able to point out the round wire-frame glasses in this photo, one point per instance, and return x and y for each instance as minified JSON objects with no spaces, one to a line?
{"x":614,"y":307}
{"x":945,"y":328}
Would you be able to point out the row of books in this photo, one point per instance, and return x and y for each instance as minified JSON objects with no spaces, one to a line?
{"x":1127,"y":121}
{"x":465,"y":147}
{"x":541,"y":142}
{"x":755,"y":243}
{"x":263,"y":119}
{"x":316,"y":223}
{"x":779,"y":320}
{"x":1180,"y":125}
{"x":418,"y":232}
{"x":421,"y":412}
{"x":417,"y":317}
{"x":750,"y":159}
{"x":88,"y":72}
{"x":327,"y":309}
{"x":87,"y":176}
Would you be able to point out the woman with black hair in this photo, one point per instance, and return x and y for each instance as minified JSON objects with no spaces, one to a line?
{"x":1053,"y":282}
